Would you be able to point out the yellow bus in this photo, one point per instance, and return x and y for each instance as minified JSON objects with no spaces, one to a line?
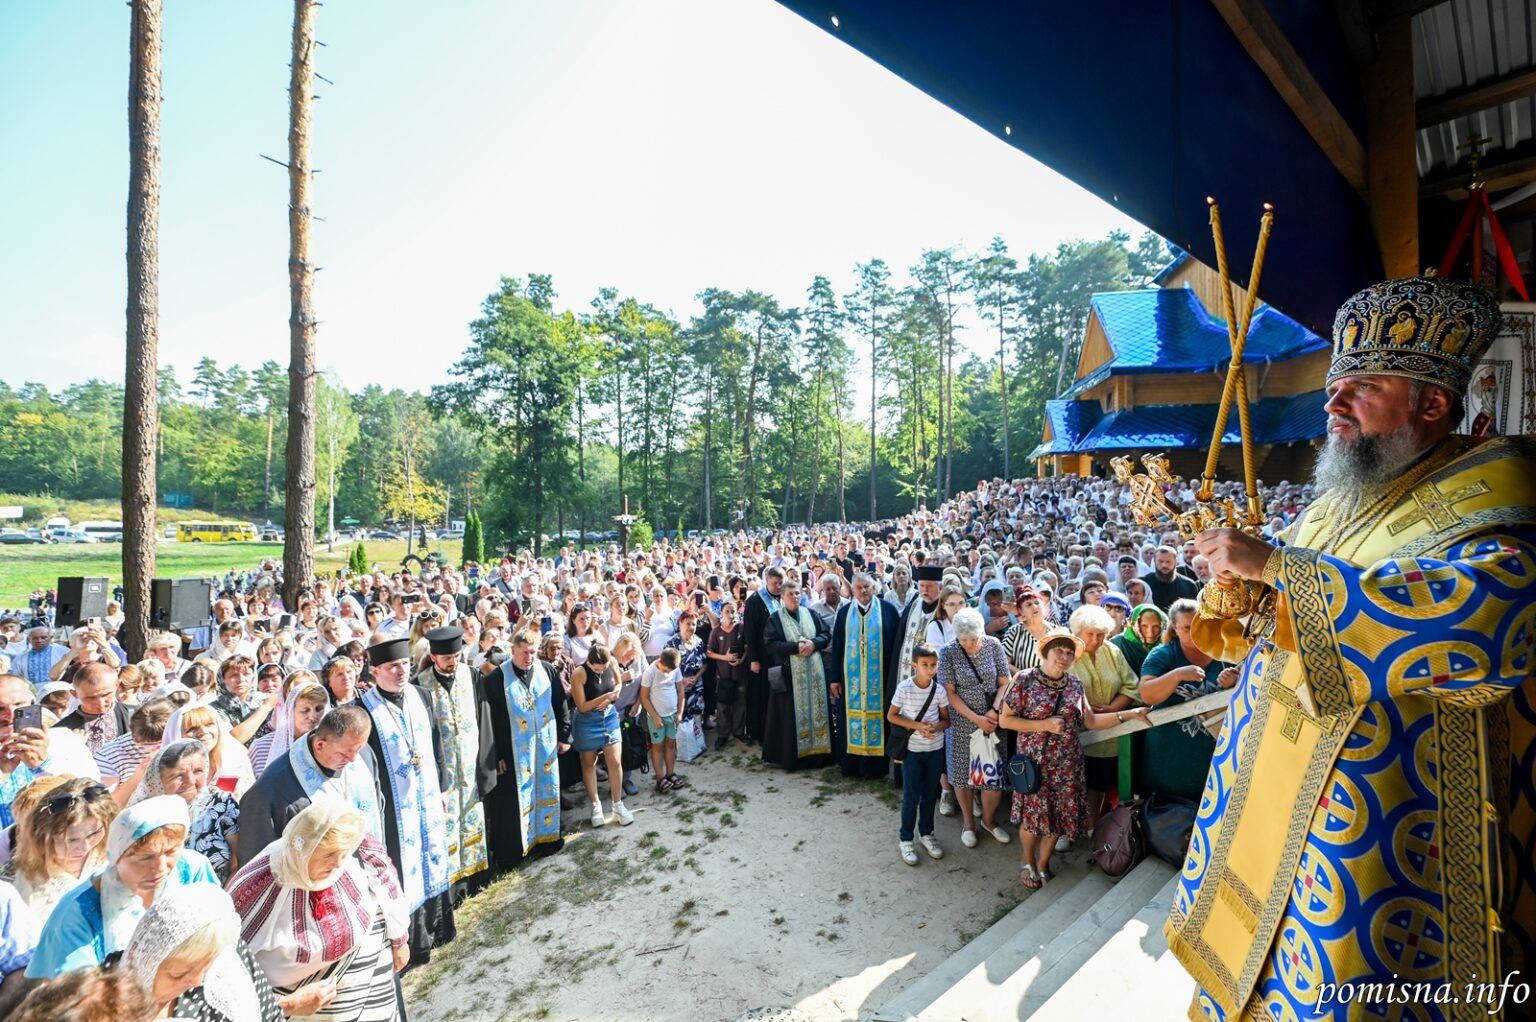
{"x":215,"y":532}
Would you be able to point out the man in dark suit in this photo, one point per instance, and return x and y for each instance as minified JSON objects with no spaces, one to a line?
{"x":862,"y":676}
{"x":99,"y":717}
{"x":761,"y":605}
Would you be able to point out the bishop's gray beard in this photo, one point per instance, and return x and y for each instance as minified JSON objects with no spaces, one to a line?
{"x":1357,"y":472}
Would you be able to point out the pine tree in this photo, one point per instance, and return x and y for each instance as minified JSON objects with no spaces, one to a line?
{"x":358,"y":562}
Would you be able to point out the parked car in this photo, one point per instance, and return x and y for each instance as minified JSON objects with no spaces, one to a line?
{"x":383,"y":534}
{"x":40,"y":535}
{"x":271,"y":536}
{"x":451,"y":534}
{"x":14,"y":536}
{"x":72,"y":536}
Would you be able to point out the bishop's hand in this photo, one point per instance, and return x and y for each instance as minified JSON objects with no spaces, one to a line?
{"x":1234,"y":554}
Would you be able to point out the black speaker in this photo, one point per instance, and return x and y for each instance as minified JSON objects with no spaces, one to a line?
{"x":176,"y":603}
{"x":81,"y":599}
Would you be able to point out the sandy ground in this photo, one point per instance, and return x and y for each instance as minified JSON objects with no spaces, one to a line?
{"x":753,"y":888}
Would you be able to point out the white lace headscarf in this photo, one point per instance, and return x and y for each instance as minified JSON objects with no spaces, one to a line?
{"x":178,"y":914}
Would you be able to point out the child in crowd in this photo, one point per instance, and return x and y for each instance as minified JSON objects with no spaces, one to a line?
{"x":922,"y":706}
{"x":661,"y":696}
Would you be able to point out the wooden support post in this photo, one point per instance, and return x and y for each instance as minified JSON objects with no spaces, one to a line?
{"x":1391,"y":163}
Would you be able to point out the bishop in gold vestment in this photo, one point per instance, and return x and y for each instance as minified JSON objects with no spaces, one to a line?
{"x":1364,"y":843}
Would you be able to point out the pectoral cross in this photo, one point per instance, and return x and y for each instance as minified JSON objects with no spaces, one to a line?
{"x":1435,"y":507}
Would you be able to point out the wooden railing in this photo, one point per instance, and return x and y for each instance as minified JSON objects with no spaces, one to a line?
{"x":1209,"y":708}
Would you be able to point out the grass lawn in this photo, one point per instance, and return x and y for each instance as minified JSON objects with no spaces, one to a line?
{"x":24,"y":568}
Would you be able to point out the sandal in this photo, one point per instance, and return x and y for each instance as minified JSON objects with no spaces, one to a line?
{"x":1029,"y":878}
{"x":677,"y":782}
{"x":1046,"y":876}
{"x":662,"y":785}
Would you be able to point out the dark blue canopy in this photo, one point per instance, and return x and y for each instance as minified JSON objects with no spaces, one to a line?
{"x":1151,"y":105}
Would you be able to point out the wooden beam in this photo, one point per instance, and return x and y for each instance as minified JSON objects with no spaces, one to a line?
{"x":1482,"y":96}
{"x":1391,"y":161}
{"x":1250,"y":21}
{"x":1358,"y":30}
{"x":1498,"y":177}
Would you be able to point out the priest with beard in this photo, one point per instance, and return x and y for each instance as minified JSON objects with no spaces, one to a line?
{"x":528,"y":714}
{"x":1369,"y":807}
{"x":450,"y":688}
{"x":408,"y":749}
{"x":862,"y":664}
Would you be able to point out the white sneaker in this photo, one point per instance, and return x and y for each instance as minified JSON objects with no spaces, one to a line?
{"x":931,"y":846}
{"x":1063,"y":843}
{"x":1000,"y":834}
{"x":947,"y":805}
{"x":908,"y":853}
{"x":598,"y":819}
{"x":622,"y":814}
{"x":968,"y":838}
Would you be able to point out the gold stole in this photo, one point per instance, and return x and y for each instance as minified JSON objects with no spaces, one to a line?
{"x":1307,"y":707}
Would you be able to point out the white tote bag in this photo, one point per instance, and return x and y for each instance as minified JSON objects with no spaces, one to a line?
{"x":986,"y":764}
{"x":690,"y":739}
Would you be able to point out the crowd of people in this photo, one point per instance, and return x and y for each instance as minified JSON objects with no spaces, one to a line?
{"x":278,"y":815}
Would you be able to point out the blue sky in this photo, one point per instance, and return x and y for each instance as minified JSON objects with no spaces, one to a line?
{"x":660,"y":147}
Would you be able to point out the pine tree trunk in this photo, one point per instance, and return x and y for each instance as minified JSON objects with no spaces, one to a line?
{"x":748,"y":459}
{"x":1002,"y":382}
{"x":873,"y":388}
{"x":709,"y":447}
{"x":266,"y":486}
{"x":299,"y":505}
{"x":816,"y":412}
{"x":141,"y":415}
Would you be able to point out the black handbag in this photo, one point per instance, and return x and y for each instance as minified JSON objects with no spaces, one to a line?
{"x":896,"y":741}
{"x":1023,"y":771}
{"x":777,"y":682}
{"x":1169,"y":821}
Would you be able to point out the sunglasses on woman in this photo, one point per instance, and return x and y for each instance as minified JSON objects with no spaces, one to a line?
{"x":91,"y":794}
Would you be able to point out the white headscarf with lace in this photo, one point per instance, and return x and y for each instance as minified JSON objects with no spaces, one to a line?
{"x":179,"y":914}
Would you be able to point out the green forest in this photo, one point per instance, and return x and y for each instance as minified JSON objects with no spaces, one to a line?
{"x":751,"y":412}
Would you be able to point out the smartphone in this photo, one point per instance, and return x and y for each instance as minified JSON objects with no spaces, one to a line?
{"x":27,"y":716}
{"x":545,"y":624}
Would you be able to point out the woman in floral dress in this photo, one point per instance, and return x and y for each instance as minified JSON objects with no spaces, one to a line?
{"x":1047,"y":707}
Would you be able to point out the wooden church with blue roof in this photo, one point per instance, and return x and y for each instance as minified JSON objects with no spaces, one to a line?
{"x":1150,"y":374}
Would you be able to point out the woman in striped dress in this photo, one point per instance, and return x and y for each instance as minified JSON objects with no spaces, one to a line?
{"x":322,"y":913}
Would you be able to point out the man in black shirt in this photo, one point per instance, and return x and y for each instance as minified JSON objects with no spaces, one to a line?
{"x":1166,"y":583}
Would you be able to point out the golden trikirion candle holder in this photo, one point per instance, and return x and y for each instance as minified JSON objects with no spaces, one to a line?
{"x":1225,"y":600}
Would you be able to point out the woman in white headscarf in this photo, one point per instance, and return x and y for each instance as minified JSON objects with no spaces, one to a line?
{"x":182,"y":768}
{"x":145,"y":856}
{"x":294,"y":718}
{"x":186,"y":952}
{"x":325,"y":918}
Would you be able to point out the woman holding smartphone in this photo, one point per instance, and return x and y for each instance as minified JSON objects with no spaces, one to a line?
{"x":595,"y":689}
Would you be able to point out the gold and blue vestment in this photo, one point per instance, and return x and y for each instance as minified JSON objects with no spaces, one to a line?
{"x":1368,"y":815}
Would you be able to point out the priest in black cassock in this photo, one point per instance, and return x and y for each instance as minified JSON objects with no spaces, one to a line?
{"x":760,"y":607}
{"x":861,"y":678}
{"x":333,"y":759}
{"x":449,"y":686}
{"x":527,"y":724}
{"x":407,"y":746}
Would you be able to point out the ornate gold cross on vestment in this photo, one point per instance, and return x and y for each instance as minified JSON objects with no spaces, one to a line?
{"x":1439,"y":509}
{"x":1295,"y":713}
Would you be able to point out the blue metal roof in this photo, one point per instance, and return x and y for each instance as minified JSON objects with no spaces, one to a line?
{"x":1070,"y":421}
{"x":1276,"y":420}
{"x":1166,"y":330}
